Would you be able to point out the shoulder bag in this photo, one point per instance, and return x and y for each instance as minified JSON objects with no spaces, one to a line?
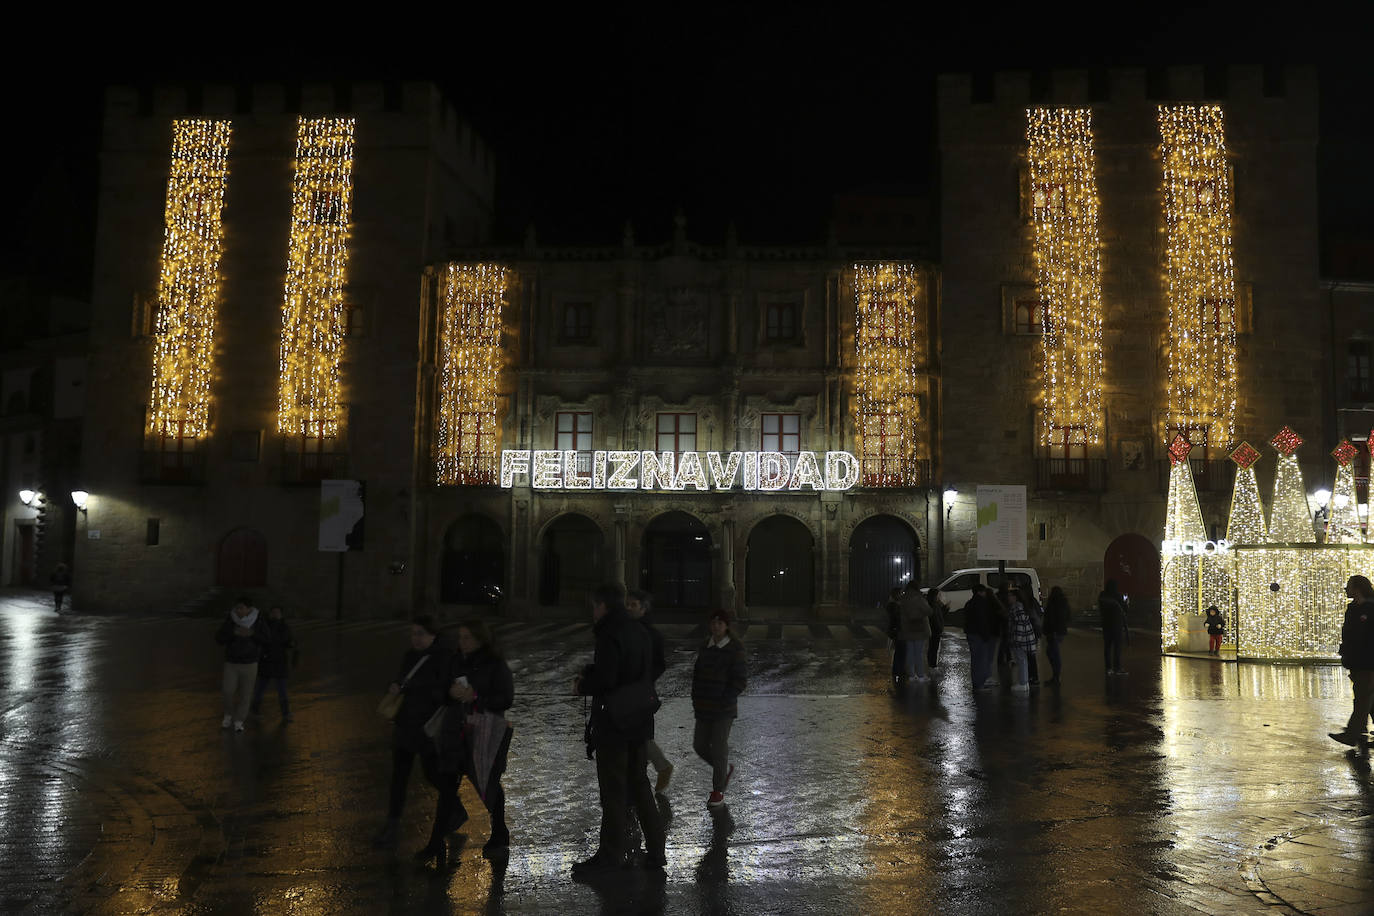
{"x":391,"y":703}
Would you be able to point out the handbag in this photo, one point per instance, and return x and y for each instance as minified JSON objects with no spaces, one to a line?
{"x":391,"y":702}
{"x":434,"y":725}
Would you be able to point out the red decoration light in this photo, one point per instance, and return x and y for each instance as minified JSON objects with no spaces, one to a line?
{"x":1344,"y":453}
{"x":1179,"y":447}
{"x":1286,"y":441}
{"x":1245,"y":455}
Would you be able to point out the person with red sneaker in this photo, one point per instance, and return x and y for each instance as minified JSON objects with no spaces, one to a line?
{"x":718,"y":679}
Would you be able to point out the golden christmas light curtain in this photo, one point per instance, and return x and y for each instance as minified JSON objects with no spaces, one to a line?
{"x":472,"y":297}
{"x":189,"y":283}
{"x":312,"y":330}
{"x":1067,"y":271}
{"x":1291,"y":599}
{"x":1199,"y":271}
{"x":890,"y":339}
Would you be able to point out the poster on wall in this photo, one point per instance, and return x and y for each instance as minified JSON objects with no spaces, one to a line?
{"x":341,"y":515}
{"x":1001,"y":522}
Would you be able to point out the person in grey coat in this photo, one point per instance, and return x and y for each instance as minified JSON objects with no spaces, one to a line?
{"x":913,"y":631}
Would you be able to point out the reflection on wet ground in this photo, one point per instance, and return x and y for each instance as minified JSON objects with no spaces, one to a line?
{"x":1189,"y":786}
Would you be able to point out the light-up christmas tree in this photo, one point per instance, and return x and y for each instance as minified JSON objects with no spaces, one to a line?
{"x":1182,"y":527}
{"x":1245,"y":525}
{"x":1343,"y":527}
{"x":1290,"y":517}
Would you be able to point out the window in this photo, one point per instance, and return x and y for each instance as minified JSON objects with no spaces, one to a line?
{"x":781,"y":432}
{"x":780,"y":321}
{"x":574,"y":433}
{"x":882,"y":321}
{"x":577,"y":322}
{"x":1028,"y":316}
{"x":1219,"y":313}
{"x":1357,"y":370}
{"x":883,"y":457}
{"x":353,"y":320}
{"x":677,"y":432}
{"x":153,"y":533}
{"x":326,"y":208}
{"x":1198,"y":435}
{"x":963,"y":583}
{"x":1047,"y":197}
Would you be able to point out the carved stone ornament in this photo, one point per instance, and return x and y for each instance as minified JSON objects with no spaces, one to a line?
{"x":678,"y":322}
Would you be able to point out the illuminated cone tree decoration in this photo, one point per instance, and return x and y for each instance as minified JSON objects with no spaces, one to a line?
{"x":1290,"y":517}
{"x":1182,"y":525}
{"x":1343,"y":526}
{"x":1246,"y":522}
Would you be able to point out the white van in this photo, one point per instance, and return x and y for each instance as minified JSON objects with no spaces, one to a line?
{"x":958,"y":588}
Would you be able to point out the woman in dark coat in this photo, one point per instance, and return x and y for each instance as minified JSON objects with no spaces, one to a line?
{"x":1056,"y":628}
{"x":275,"y":661}
{"x":479,"y":681}
{"x":422,"y":681}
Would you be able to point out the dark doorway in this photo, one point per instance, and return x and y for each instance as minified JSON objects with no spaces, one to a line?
{"x":24,"y":572}
{"x":242,"y":560}
{"x":570,"y":563}
{"x":882,"y":556}
{"x":1133,"y":562}
{"x":780,"y":570}
{"x":473,"y":570}
{"x":676,"y":568}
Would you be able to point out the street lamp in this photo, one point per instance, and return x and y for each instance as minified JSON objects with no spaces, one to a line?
{"x":28,"y":496}
{"x":79,"y":497}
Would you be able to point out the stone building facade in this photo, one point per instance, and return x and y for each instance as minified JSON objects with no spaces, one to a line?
{"x":239,"y":509}
{"x":1104,"y":520}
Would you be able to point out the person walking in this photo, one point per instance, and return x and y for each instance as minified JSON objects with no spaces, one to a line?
{"x":275,"y":662}
{"x":479,"y":682}
{"x":421,"y":682}
{"x":244,"y":636}
{"x":1216,"y":629}
{"x":1115,"y":632}
{"x":938,"y":609}
{"x":1000,"y":601}
{"x":637,"y":603}
{"x":1056,"y":628}
{"x":59,"y":581}
{"x":913,"y":629}
{"x":894,"y":626}
{"x":1021,"y":626}
{"x":980,"y":629}
{"x":718,"y":678}
{"x":1357,"y":657}
{"x":1031,"y":602}
{"x":623,"y":659}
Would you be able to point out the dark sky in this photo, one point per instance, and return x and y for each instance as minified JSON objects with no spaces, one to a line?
{"x":751,"y":114}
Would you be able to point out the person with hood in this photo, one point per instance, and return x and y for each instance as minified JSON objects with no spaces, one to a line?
{"x":244,"y":636}
{"x":622,"y":662}
{"x":421,"y":681}
{"x":479,"y":681}
{"x":1216,"y":629}
{"x":638,"y":602}
{"x":275,"y":662}
{"x":718,"y":678}
{"x":1056,"y":628}
{"x":913,"y":631}
{"x":981,"y":631}
{"x":1357,"y":657}
{"x":1115,"y":632}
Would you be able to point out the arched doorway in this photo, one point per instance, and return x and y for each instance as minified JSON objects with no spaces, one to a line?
{"x":1133,"y":562}
{"x":570,"y":559}
{"x":473,"y":570}
{"x":241,"y":561}
{"x":676,"y":565}
{"x":882,"y":555}
{"x":780,"y":569}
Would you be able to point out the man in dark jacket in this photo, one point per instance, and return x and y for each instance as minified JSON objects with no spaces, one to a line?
{"x":1115,"y":633}
{"x":244,"y":636}
{"x":1357,"y":656}
{"x":275,"y":661}
{"x":637,"y":602}
{"x":719,"y":677}
{"x":980,"y":629}
{"x":623,"y":657}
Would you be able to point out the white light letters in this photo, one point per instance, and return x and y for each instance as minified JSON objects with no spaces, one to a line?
{"x":674,"y":471}
{"x":1173,"y":548}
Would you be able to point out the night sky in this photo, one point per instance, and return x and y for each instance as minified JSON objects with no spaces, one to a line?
{"x":759,"y":117}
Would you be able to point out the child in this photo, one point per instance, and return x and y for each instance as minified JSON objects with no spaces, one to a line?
{"x":1216,"y":629}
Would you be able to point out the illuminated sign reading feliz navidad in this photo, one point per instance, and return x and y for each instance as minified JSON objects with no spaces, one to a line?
{"x":645,"y":470}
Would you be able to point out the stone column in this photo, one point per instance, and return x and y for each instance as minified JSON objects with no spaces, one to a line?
{"x":728,"y":592}
{"x":617,"y":571}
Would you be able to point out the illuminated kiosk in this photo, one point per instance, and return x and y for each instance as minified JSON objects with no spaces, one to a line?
{"x":1282,"y":593}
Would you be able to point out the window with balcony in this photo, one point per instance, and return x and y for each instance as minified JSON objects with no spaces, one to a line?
{"x":780,"y":322}
{"x":573,"y":433}
{"x":677,"y":432}
{"x":885,"y":462}
{"x":578,"y":322}
{"x":780,"y":432}
{"x":1358,"y":379}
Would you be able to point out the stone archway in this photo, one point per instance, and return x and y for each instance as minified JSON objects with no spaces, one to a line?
{"x":473,"y":570}
{"x":780,"y":566}
{"x":571,"y":559}
{"x":676,"y":563}
{"x":1133,"y":562}
{"x":883,"y":553}
{"x":241,"y":561}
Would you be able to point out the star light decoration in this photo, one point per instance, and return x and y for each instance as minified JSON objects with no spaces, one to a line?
{"x":1285,"y":441}
{"x":1067,"y":271}
{"x":1199,"y":271}
{"x":472,"y":297}
{"x":188,"y":290}
{"x":891,"y":340}
{"x":312,"y":331}
{"x":1179,"y":447}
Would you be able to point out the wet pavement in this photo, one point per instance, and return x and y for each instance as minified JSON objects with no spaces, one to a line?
{"x":1190,"y":786}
